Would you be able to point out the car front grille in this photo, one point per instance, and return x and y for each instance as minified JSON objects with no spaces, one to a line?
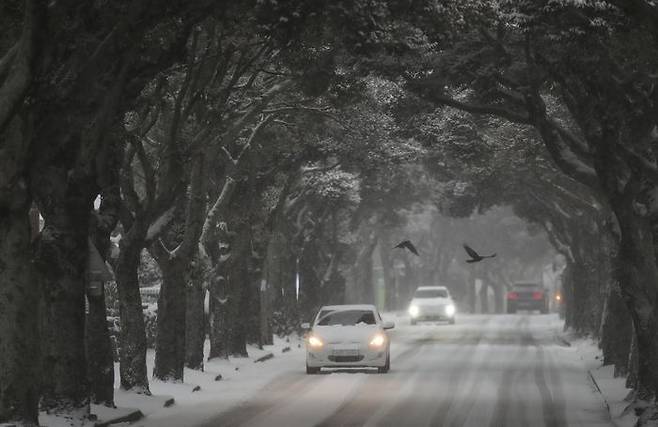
{"x":344,"y":359}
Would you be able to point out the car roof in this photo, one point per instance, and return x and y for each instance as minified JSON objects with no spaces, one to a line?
{"x":349,"y":307}
{"x":427,"y":288}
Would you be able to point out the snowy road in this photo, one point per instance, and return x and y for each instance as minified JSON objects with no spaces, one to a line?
{"x":506,"y":370}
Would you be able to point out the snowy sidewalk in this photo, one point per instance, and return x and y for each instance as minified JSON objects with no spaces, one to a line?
{"x":613,"y":390}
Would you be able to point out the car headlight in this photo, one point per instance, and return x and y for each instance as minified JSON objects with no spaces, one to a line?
{"x":315,"y":342}
{"x":378,"y":340}
{"x":414,"y":311}
{"x":450,"y":310}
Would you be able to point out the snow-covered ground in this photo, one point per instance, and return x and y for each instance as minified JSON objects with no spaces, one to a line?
{"x":487,"y":370}
{"x":613,"y":389}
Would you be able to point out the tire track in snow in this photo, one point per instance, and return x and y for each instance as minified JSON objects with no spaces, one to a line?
{"x":552,"y":406}
{"x":273,"y":394}
{"x":509,"y":377}
{"x":365,"y":400}
{"x":366,"y":407}
{"x":463,"y":411}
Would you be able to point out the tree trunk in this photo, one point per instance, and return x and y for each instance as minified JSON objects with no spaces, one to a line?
{"x":132,"y":342}
{"x":265,"y":318}
{"x":100,"y":358}
{"x":632,"y":380}
{"x":586,"y":296}
{"x":280,"y":277}
{"x":410,"y":282}
{"x":499,"y":297}
{"x":387,"y":272}
{"x":362,"y":274}
{"x":170,"y":340}
{"x":470,"y":292}
{"x":568,"y":294}
{"x":638,"y":279}
{"x":19,"y":315}
{"x":616,"y":331}
{"x":238,"y":281}
{"x":100,"y":363}
{"x":218,"y":318}
{"x":63,"y":253}
{"x":484,"y":296}
{"x":195,"y":325}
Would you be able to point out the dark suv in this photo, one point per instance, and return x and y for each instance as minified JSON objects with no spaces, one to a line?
{"x":527,"y":296}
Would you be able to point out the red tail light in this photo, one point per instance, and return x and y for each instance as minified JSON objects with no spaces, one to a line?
{"x":512,"y":295}
{"x":537,"y":295}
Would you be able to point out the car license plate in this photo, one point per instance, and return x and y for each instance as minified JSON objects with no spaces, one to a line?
{"x":345,"y":352}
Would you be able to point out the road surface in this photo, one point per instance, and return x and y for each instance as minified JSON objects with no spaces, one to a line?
{"x":504,"y":370}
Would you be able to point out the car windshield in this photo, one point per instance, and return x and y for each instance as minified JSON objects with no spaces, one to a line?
{"x":347,"y":318}
{"x":431,"y":293}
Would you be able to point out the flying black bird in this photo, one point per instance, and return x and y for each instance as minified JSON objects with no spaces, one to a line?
{"x":475,"y":257}
{"x":406,"y":244}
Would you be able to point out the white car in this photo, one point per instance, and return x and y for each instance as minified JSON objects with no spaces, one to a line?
{"x":348,"y":336}
{"x":432,"y":303}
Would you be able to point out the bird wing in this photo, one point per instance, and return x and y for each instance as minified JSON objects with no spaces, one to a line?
{"x":401,"y":245}
{"x":411,"y":247}
{"x":470,"y":251}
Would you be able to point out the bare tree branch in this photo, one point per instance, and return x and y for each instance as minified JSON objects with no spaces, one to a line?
{"x":494,"y":110}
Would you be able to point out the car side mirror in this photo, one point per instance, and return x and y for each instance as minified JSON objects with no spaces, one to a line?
{"x":388,"y":325}
{"x":306,"y":325}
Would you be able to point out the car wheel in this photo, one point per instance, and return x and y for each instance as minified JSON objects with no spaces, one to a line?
{"x":413,"y":322}
{"x":451,"y":321}
{"x":310,"y":370}
{"x":384,"y":369}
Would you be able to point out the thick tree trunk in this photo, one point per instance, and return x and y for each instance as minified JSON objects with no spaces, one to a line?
{"x":586,"y":297}
{"x":616,"y":331}
{"x":19,"y":316}
{"x":100,"y":357}
{"x":280,"y":277}
{"x":63,"y":253}
{"x":100,"y":361}
{"x":238,"y":280}
{"x":132,"y":342}
{"x":170,"y":340}
{"x":311,"y":296}
{"x":195,"y":325}
{"x":638,"y":280}
{"x":568,"y":294}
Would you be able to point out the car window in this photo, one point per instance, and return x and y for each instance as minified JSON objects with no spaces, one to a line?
{"x":347,"y":318}
{"x":322,"y":313}
{"x":527,"y":286}
{"x":431,"y":293}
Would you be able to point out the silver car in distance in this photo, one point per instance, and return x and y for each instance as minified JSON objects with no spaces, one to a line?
{"x":348,"y":336}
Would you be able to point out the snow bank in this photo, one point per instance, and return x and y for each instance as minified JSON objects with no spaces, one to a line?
{"x":612,"y":389}
{"x":240,"y":379}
